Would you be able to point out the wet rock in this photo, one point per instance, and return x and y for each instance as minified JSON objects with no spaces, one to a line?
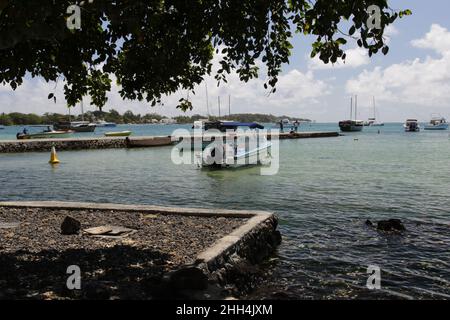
{"x":369,"y":223}
{"x":70,"y":226}
{"x":391,"y":225}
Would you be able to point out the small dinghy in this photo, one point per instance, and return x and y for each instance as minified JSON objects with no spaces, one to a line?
{"x":118,"y":134}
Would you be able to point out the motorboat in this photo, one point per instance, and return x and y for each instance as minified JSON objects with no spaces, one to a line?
{"x":104,"y":124}
{"x":118,"y":134}
{"x":226,"y":145}
{"x":412,"y":125}
{"x":437,"y":123}
{"x":76,"y":126}
{"x":48,"y":133}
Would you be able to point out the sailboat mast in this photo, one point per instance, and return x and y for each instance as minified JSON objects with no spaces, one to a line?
{"x":229,"y":105}
{"x":218,"y":101}
{"x":374,"y":109}
{"x":351,"y":108}
{"x":207,"y":99}
{"x":356,"y":107}
{"x":82,"y":110}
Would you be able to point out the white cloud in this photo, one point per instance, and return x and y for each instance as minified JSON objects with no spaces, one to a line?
{"x":424,"y":82}
{"x":438,"y":39}
{"x":356,"y":58}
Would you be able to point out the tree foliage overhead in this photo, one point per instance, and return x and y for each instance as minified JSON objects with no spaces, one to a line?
{"x":156,"y":47}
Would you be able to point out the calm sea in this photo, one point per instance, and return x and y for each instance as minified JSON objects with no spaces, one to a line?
{"x":325,"y":191}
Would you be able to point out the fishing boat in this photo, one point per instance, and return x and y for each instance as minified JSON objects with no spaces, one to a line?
{"x":118,"y":134}
{"x":104,"y":124}
{"x":437,"y":123}
{"x":352,"y":125}
{"x":234,"y":151}
{"x":412,"y":125}
{"x":48,"y":133}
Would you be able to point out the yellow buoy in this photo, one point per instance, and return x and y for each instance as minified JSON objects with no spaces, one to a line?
{"x":53,"y":157}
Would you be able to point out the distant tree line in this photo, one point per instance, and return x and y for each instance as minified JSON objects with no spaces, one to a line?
{"x":129,"y":117}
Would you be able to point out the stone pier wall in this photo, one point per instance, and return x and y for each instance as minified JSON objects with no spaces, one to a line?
{"x":61,"y":144}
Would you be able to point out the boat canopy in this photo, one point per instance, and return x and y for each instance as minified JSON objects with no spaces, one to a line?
{"x":231,"y":125}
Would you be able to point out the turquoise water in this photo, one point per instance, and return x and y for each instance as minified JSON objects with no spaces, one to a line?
{"x":325,"y":191}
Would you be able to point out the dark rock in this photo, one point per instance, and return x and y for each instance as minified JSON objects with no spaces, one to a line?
{"x":70,"y":226}
{"x":190,"y":278}
{"x":369,"y":223}
{"x":391,"y":225}
{"x":97,"y":290}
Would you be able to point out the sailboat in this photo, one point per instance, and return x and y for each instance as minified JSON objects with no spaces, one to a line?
{"x":77,"y":126}
{"x":352,"y":125}
{"x":372,"y":122}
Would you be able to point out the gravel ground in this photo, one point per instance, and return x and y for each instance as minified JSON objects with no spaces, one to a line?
{"x":34,"y":257}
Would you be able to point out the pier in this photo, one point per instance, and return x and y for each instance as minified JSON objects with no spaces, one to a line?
{"x":172,"y":251}
{"x":44,"y":145}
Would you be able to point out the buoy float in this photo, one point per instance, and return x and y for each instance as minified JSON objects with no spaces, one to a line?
{"x":53,"y":157}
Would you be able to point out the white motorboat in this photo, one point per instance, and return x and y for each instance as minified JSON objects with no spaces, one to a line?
{"x":412,"y":125}
{"x":437,"y":123}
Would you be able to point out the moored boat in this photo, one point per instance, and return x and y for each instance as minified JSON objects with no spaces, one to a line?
{"x":118,"y":134}
{"x":437,"y":123}
{"x":77,"y":126}
{"x":104,"y":124}
{"x":352,"y":125}
{"x":2,"y":127}
{"x":46,"y":134}
{"x":412,"y":125}
{"x":372,"y":122}
{"x":233,"y":151}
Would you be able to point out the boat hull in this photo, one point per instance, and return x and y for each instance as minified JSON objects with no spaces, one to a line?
{"x":438,"y":127}
{"x":118,"y":134}
{"x":52,"y":135}
{"x":76,"y":128}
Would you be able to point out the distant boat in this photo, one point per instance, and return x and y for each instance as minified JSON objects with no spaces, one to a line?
{"x":46,"y":134}
{"x":372,"y":122}
{"x":118,"y":134}
{"x":77,"y":126}
{"x":412,"y":125}
{"x":437,"y":123}
{"x":2,"y":127}
{"x":352,"y":125}
{"x":104,"y":124}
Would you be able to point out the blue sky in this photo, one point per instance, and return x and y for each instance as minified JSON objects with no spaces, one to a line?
{"x":413,"y":80}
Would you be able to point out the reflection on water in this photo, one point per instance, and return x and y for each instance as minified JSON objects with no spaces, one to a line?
{"x":323,"y":194}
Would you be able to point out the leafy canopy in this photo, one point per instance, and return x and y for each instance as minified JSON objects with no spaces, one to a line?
{"x":156,"y":47}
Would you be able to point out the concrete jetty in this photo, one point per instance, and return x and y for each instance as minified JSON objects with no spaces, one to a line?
{"x":44,"y":145}
{"x":164,"y":257}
